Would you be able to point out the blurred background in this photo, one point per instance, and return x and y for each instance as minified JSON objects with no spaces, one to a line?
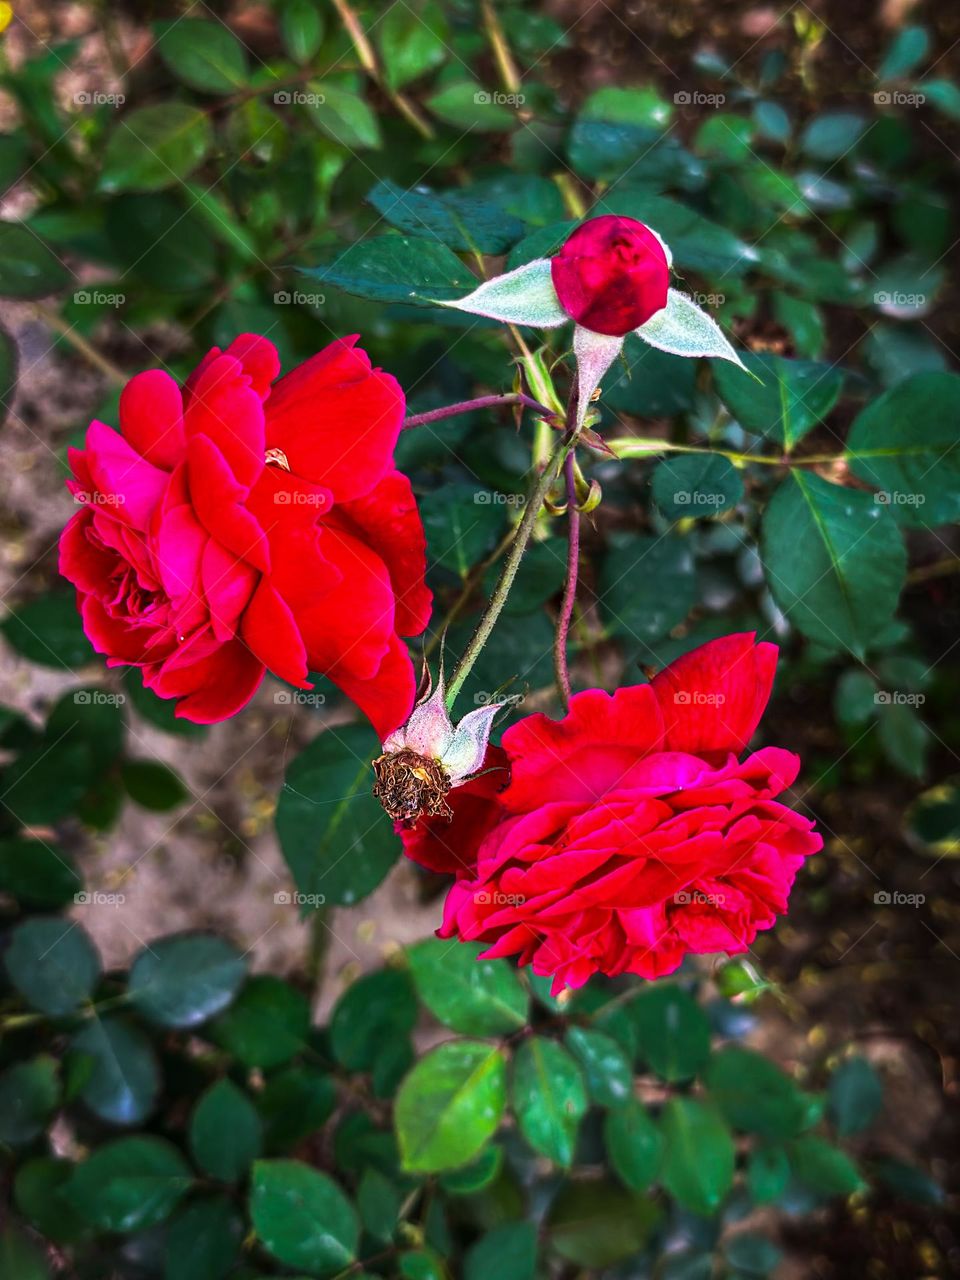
{"x":166,"y":169}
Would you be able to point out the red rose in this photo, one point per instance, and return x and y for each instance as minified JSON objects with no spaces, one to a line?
{"x":630,"y":833}
{"x":233,"y":526}
{"x":611,"y":275}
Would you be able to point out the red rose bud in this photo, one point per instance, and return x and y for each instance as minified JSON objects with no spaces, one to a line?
{"x":611,"y":275}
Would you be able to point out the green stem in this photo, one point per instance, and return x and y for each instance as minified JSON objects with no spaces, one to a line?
{"x":498,"y":599}
{"x":637,"y":447}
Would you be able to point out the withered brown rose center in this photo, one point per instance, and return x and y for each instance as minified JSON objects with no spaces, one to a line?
{"x":411,"y":786}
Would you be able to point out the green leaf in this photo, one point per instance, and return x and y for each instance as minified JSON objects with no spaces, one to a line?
{"x":153,"y":785}
{"x":904,"y":737}
{"x":907,"y":50}
{"x":335,"y":837}
{"x":204,"y":55}
{"x":855,"y":698}
{"x":267,"y":1024}
{"x":396,"y":268}
{"x":475,"y":997}
{"x":754,"y":1094}
{"x":38,"y":1192}
{"x":456,"y":218}
{"x":855,"y":1096}
{"x":674,"y":1033}
{"x":28,"y":266}
{"x":93,"y":716}
{"x":794,"y":396}
{"x":161,"y":242}
{"x":412,"y":38}
{"x":129,"y":1184}
{"x":648,"y":585}
{"x":696,"y":485}
{"x":698,"y":1156}
{"x":942,"y":94}
{"x":595,"y":1223}
{"x":476,"y":1176}
{"x":121,"y":1078}
{"x":768,"y":1172}
{"x":375,"y":1010}
{"x":184,"y":979}
{"x":203,"y":1240}
{"x":294,"y":1104}
{"x":344,"y":116}
{"x":469,"y":107}
{"x":450,"y":1105}
{"x":614,"y":129}
{"x":905,"y":445}
{"x":834,"y":560}
{"x":301,"y":28}
{"x":48,"y":630}
{"x":549,"y":1097}
{"x":634,"y":1144}
{"x":823,"y":1167}
{"x":462,"y":523}
{"x":36,"y":873}
{"x":697,"y":243}
{"x":29,"y":1094}
{"x":302,"y":1217}
{"x":52,"y":963}
{"x":20,"y":1258}
{"x":225,"y":1131}
{"x":831,"y":135}
{"x":605,"y":1066}
{"x":508,"y":1252}
{"x":154,"y":147}
{"x":379,"y":1201}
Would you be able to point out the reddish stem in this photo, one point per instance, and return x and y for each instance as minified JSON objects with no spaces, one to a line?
{"x":481,"y":402}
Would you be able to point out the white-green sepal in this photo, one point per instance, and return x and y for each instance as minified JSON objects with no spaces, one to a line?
{"x":595,"y":353}
{"x":682,"y":329}
{"x":523,"y":296}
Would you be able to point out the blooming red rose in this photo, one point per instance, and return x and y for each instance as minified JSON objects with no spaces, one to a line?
{"x":629,"y":833}
{"x":611,"y":275}
{"x":239,"y":524}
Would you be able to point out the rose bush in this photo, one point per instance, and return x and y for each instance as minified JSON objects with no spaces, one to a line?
{"x":629,"y":832}
{"x":239,"y":525}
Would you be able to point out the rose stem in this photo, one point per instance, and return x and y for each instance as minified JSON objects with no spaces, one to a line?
{"x":570,"y":586}
{"x":636,"y":447}
{"x":482,"y":402}
{"x":509,"y":571}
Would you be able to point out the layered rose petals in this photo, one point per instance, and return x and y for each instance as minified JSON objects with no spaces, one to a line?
{"x":629,"y":834}
{"x":239,"y":524}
